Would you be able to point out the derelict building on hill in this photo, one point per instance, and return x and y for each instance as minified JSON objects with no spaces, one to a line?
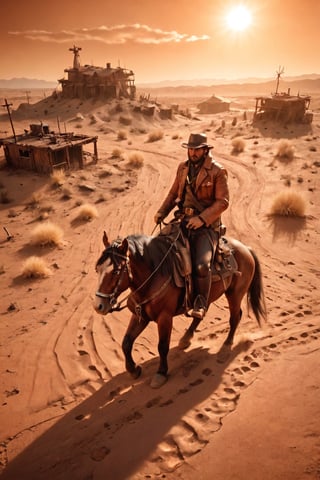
{"x":88,"y":81}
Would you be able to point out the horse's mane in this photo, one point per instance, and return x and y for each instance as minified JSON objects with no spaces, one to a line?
{"x":153,"y":251}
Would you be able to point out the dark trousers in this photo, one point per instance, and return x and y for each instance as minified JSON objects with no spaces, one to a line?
{"x":203,"y":242}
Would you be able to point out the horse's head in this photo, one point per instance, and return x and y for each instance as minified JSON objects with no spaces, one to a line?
{"x":114,"y":274}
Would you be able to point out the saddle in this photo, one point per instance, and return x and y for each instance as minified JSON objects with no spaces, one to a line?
{"x":223,"y":265}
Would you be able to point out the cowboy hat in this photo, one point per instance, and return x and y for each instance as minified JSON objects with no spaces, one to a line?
{"x":197,"y":140}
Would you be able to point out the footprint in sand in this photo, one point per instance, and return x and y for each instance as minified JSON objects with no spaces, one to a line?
{"x":153,"y":402}
{"x":196,"y":382}
{"x":98,"y":454}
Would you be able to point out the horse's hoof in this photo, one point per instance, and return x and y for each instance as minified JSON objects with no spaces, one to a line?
{"x":158,"y":380}
{"x":136,"y":373}
{"x":184,"y":342}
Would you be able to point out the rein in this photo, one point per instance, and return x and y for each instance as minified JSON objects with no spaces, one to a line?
{"x":125,"y":267}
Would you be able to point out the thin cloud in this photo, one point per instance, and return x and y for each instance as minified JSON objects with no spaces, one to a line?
{"x":114,"y":35}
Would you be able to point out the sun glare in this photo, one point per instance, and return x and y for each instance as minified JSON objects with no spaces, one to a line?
{"x":239,"y":18}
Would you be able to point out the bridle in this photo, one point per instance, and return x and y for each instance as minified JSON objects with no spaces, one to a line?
{"x":122,"y":268}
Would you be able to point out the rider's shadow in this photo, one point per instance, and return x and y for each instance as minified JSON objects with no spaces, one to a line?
{"x":111,"y":433}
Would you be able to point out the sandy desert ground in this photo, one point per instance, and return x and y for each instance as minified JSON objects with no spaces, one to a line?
{"x":68,"y":408}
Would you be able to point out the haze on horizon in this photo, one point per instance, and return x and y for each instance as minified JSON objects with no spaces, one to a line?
{"x":181,"y":40}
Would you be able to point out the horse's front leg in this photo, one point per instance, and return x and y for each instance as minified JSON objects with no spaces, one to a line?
{"x":136,"y":326}
{"x":164,"y":330}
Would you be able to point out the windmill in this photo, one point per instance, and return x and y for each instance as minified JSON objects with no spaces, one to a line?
{"x":279,"y":72}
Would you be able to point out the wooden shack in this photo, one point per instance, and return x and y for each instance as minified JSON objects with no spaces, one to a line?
{"x":214,"y":104}
{"x":42,"y":151}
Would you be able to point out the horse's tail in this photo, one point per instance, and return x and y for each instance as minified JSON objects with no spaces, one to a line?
{"x":255,"y":294}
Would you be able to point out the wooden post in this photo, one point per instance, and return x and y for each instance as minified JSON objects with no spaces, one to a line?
{"x":95,"y":151}
{"x":7,"y":105}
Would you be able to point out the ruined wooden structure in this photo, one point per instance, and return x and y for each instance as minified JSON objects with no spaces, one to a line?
{"x":88,"y":81}
{"x":283,"y":107}
{"x":42,"y":151}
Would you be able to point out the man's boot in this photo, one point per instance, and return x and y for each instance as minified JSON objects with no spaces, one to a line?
{"x":202,"y":287}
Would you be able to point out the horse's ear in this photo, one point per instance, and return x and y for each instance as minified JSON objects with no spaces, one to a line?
{"x":124,"y":247}
{"x":105,"y":240}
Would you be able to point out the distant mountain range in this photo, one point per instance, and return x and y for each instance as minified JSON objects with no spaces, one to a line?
{"x":213,"y":81}
{"x":294,"y":87}
{"x":16,"y":83}
{"x":23,"y":83}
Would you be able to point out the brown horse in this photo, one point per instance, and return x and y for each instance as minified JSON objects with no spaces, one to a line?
{"x":143,"y":264}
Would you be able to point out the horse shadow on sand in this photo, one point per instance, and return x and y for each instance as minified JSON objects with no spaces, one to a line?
{"x":111,"y":433}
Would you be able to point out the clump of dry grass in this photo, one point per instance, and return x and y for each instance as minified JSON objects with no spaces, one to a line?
{"x":12,"y":213}
{"x":288,"y":204}
{"x":155,"y":135}
{"x":87,"y":212}
{"x":47,"y":234}
{"x":122,"y":135}
{"x":238,"y":145}
{"x":116,"y":153}
{"x":93,"y":119}
{"x":135,"y":160}
{"x":35,"y":199}
{"x":57,"y":178}
{"x":35,"y":267}
{"x":285,"y":150}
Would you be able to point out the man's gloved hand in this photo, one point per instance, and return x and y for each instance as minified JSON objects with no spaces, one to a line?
{"x":158,"y":218}
{"x":195,"y":222}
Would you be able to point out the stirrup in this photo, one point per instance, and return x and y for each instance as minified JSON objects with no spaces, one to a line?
{"x":199,"y":307}
{"x":198,"y":313}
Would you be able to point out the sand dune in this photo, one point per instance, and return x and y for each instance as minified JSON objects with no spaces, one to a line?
{"x":68,"y":408}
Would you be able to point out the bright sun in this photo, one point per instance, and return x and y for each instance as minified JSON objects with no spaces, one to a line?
{"x":239,"y":18}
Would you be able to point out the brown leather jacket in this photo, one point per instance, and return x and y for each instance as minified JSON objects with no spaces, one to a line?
{"x":211,"y":190}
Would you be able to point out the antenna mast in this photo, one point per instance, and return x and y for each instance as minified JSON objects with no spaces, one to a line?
{"x":279,"y":72}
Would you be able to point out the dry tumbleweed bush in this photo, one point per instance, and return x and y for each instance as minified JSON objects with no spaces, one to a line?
{"x":288,"y":204}
{"x":285,"y":150}
{"x":87,"y":212}
{"x":238,"y":145}
{"x":35,"y":267}
{"x":58,"y":178}
{"x":136,"y":160}
{"x":47,"y":234}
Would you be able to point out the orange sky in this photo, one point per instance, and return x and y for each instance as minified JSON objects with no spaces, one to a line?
{"x":164,"y":40}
